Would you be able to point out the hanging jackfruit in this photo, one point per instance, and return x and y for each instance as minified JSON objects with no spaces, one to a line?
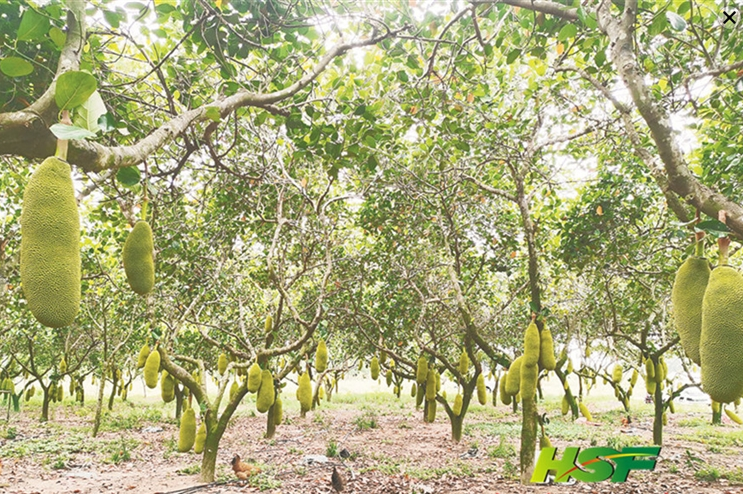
{"x":482,"y":392}
{"x":152,"y":369}
{"x":437,"y":376}
{"x":413,"y":390}
{"x":62,"y":366}
{"x":234,"y":388}
{"x":546,"y":350}
{"x":222,"y":364}
{"x":513,"y":377}
{"x":616,"y":375}
{"x":671,"y":407}
{"x":584,"y":411}
{"x":139,"y":263}
{"x":268,"y":327}
{"x":457,"y":408}
{"x":633,"y":379}
{"x":60,"y":391}
{"x":266,"y":393}
{"x":321,"y":357}
{"x":187,"y":433}
{"x":721,"y":341}
{"x":569,"y":368}
{"x":254,"y":377}
{"x":431,"y":385}
{"x":374,"y":366}
{"x":50,"y":245}
{"x":143,"y":354}
{"x":565,"y":405}
{"x":732,"y":416}
{"x":650,"y":386}
{"x":649,"y":369}
{"x":664,"y":418}
{"x":422,"y":370}
{"x":304,"y":392}
{"x":464,"y":363}
{"x":528,"y":381}
{"x":686,"y":297}
{"x":661,"y":373}
{"x":431,"y":410}
{"x":531,"y":345}
{"x":278,"y":411}
{"x":544,"y":442}
{"x":388,"y":377}
{"x":198,"y":445}
{"x":167,"y":387}
{"x":420,"y":393}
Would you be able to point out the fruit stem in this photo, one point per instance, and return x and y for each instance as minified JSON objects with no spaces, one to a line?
{"x":723,"y":242}
{"x":699,"y":248}
{"x":62,"y":143}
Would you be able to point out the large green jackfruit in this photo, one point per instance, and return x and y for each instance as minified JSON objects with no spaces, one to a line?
{"x":661,"y":373}
{"x":139,"y":263}
{"x":649,"y":370}
{"x":584,"y":411}
{"x":482,"y":392}
{"x":198,"y":445}
{"x":187,"y":433}
{"x":420,"y":393}
{"x":547,"y":350}
{"x":531,"y":345}
{"x":616,"y":374}
{"x":422,"y":370}
{"x":388,"y":377}
{"x":513,"y":379}
{"x":304,"y":392}
{"x":278,"y":411}
{"x":268,"y":326}
{"x":413,"y":390}
{"x":374,"y":366}
{"x":254,"y":377}
{"x":721,"y":341}
{"x":732,"y":416}
{"x":505,"y":398}
{"x":62,"y":366}
{"x":686,"y":297}
{"x":457,"y":408}
{"x":431,"y":410}
{"x":143,"y":354}
{"x":431,"y":384}
{"x":321,"y":357}
{"x":633,"y":379}
{"x":266,"y":393}
{"x":528,"y":381}
{"x":167,"y":387}
{"x":544,"y":442}
{"x":565,"y":405}
{"x":50,"y":245}
{"x":152,"y":369}
{"x":234,"y":388}
{"x":464,"y":363}
{"x":222,"y":364}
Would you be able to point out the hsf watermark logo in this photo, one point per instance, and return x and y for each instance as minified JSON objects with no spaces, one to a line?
{"x":592,"y":464}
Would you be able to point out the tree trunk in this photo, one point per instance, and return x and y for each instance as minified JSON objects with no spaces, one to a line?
{"x":99,"y":405}
{"x":658,"y":418}
{"x":113,"y":393}
{"x":456,"y":427}
{"x":211,"y":447}
{"x":528,"y":438}
{"x":717,"y":417}
{"x":178,"y":401}
{"x":45,"y":405}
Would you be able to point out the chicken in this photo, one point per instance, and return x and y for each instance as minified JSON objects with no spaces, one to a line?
{"x":338,"y":483}
{"x":242,"y":469}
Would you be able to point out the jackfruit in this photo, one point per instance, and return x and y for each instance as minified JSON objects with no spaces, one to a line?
{"x":62,"y":366}
{"x":139,"y":263}
{"x":528,"y":381}
{"x":198,"y":445}
{"x":187,"y":433}
{"x":565,"y":405}
{"x":633,"y":379}
{"x":413,"y":390}
{"x":304,"y":392}
{"x":584,"y":411}
{"x":321,"y":357}
{"x":686,"y":297}
{"x":431,"y":385}
{"x":420,"y":393}
{"x":422,"y":370}
{"x":374,"y":366}
{"x":254,"y":377}
{"x":266,"y":394}
{"x":388,"y":377}
{"x":382,"y":358}
{"x":152,"y":369}
{"x":143,"y":354}
{"x":715,"y":406}
{"x":269,"y":324}
{"x":661,"y":373}
{"x":431,"y":410}
{"x":50,"y":245}
{"x":531,"y":345}
{"x":457,"y":408}
{"x":278,"y":411}
{"x":721,"y":341}
{"x":665,"y":418}
{"x":233,"y":390}
{"x":616,"y":375}
{"x":443,"y":394}
{"x":222,"y":364}
{"x":513,"y":377}
{"x":482,"y":392}
{"x":60,"y":391}
{"x":737,"y":402}
{"x":544,"y":442}
{"x":733,"y":416}
{"x":167,"y":387}
{"x":547,"y":350}
{"x":396,"y":390}
{"x":569,"y":368}
{"x":321,"y":393}
{"x":437,"y":376}
{"x":464,"y":363}
{"x":649,"y":370}
{"x":650,"y":386}
{"x":671,"y":407}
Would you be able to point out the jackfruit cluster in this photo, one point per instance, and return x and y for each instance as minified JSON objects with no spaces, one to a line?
{"x":187,"y":433}
{"x":139,"y":263}
{"x":687,"y":296}
{"x":50,"y":245}
{"x":266,"y":394}
{"x":321,"y":357}
{"x":152,"y":369}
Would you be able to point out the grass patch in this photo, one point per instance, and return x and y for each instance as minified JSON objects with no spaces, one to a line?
{"x":368,"y":420}
{"x":503,"y":450}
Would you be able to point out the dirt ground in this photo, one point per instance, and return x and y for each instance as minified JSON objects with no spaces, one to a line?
{"x":391,"y":451}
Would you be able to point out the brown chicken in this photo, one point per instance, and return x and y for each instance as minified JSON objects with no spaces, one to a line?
{"x":338,"y":483}
{"x":242,"y":469}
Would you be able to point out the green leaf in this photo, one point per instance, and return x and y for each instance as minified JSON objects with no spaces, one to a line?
{"x":89,"y":112}
{"x":106,"y":123}
{"x":15,"y":67}
{"x":33,"y":26}
{"x":212,"y":113}
{"x":73,"y":89}
{"x":567,"y":31}
{"x":128,"y":176}
{"x":62,"y":131}
{"x":57,"y":36}
{"x":402,"y":76}
{"x":360,"y":110}
{"x":113,"y":18}
{"x":713,"y":226}
{"x":513,"y":55}
{"x":677,"y":22}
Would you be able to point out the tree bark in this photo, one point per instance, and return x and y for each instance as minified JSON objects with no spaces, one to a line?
{"x":99,"y":405}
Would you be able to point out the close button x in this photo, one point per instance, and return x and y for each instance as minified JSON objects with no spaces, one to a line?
{"x":728,"y":17}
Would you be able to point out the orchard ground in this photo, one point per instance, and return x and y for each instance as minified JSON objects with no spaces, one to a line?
{"x":392,"y":450}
